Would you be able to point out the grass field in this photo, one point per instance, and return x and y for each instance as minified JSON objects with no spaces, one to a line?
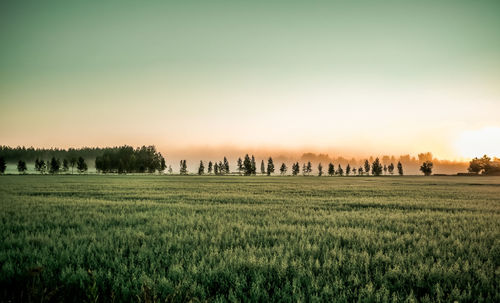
{"x":288,"y":239}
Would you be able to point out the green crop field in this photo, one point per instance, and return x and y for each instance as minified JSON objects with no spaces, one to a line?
{"x":288,"y":239}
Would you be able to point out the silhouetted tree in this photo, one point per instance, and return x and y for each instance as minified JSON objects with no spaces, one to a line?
{"x":54,"y":165}
{"x":331,"y":169}
{"x":65,"y":166}
{"x":226,"y":166}
{"x":216,"y":168}
{"x":309,"y":167}
{"x":283,"y":169}
{"x":72,"y":163}
{"x":483,"y":165}
{"x":253,"y":165}
{"x":340,"y":171}
{"x":40,"y":166}
{"x":367,"y":167}
{"x":247,"y":165}
{"x":262,"y":167}
{"x":170,"y":170}
{"x":320,"y":170}
{"x":376,"y":167}
{"x":163,"y":165}
{"x":3,"y":165}
{"x":354,"y":170}
{"x":183,"y":167}
{"x":240,"y":165}
{"x":400,"y":168}
{"x":21,"y":167}
{"x":222,"y":168}
{"x":385,"y":169}
{"x":304,"y":169}
{"x":210,"y":167}
{"x":81,"y":166}
{"x":347,"y":170}
{"x":295,"y":169}
{"x":201,"y":169}
{"x":426,"y":168}
{"x":360,"y":171}
{"x":390,"y":168}
{"x":270,"y":166}
{"x":475,"y":166}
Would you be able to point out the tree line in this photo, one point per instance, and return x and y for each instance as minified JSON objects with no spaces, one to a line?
{"x":247,"y":166}
{"x":30,"y":154}
{"x":146,"y":159}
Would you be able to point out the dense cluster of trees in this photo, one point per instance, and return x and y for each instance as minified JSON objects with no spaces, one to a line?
{"x":126,"y":159}
{"x":485,"y":166}
{"x":29,"y":154}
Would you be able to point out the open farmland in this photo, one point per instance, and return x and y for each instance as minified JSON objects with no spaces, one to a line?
{"x":174,"y":238}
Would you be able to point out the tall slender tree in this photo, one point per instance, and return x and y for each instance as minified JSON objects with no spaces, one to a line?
{"x":340,"y":171}
{"x":385,"y":169}
{"x":55,"y":164}
{"x":240,"y":165}
{"x":81,"y":166}
{"x":367,"y":167}
{"x":270,"y":166}
{"x":376,"y":167}
{"x":320,"y":170}
{"x":400,"y":168}
{"x":390,"y":168}
{"x":262,"y":167}
{"x":183,"y":167}
{"x":65,"y":165}
{"x":254,"y":166}
{"x":3,"y":165}
{"x":72,"y":163}
{"x":40,"y":166}
{"x":247,"y":165}
{"x":21,"y":167}
{"x":331,"y":169}
{"x":210,"y":167}
{"x":216,"y":169}
{"x":163,"y":165}
{"x":283,"y":169}
{"x":360,"y":171}
{"x":226,"y":166}
{"x":309,"y":167}
{"x":347,"y":169}
{"x":222,"y":168}
{"x":201,"y":169}
{"x":295,"y":169}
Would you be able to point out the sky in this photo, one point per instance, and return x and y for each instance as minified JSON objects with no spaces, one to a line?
{"x":338,"y":77}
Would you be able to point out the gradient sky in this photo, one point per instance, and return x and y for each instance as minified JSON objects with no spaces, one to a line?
{"x":352,"y":77}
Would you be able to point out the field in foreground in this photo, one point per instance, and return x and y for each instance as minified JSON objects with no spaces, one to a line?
{"x":173,"y":238}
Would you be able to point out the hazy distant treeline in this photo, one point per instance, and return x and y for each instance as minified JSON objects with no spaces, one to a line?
{"x":411,"y":163}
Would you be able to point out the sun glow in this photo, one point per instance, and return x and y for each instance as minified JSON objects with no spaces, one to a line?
{"x":475,"y":143}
